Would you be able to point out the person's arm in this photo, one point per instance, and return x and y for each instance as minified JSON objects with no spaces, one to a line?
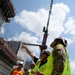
{"x":59,"y":55}
{"x":35,"y":59}
{"x":28,"y":51}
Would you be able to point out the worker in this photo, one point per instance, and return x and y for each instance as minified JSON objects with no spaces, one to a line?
{"x":32,"y":65}
{"x":40,"y":64}
{"x":58,"y":62}
{"x":18,"y":70}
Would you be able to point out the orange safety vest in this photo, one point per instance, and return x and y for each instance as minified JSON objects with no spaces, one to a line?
{"x":16,"y":72}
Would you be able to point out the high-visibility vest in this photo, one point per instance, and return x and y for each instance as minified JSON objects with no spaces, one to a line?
{"x":49,"y":66}
{"x":30,"y":72}
{"x":36,"y":68}
{"x":16,"y":72}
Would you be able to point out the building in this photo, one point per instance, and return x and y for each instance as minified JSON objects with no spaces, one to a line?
{"x":14,"y":46}
{"x":10,"y":53}
{"x":7,"y":58}
{"x":6,"y":11}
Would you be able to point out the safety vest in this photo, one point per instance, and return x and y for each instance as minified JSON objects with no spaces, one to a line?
{"x":49,"y":66}
{"x":36,"y":68}
{"x":16,"y":72}
{"x":30,"y":72}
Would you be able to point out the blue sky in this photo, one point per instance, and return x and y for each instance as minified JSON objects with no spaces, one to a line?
{"x":32,"y":15}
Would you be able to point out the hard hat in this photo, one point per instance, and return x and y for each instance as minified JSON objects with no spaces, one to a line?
{"x":46,"y":51}
{"x":21,"y":62}
{"x":64,"y":41}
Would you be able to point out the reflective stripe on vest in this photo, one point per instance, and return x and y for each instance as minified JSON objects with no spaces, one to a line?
{"x":49,"y":66}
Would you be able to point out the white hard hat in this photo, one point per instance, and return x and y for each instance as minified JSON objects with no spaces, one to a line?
{"x":21,"y":62}
{"x":63,"y":40}
{"x":46,"y":51}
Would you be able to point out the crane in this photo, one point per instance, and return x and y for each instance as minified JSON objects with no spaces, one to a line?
{"x":45,"y":30}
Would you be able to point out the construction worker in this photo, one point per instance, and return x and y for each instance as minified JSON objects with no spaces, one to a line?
{"x":18,"y":70}
{"x":40,"y":64}
{"x":58,"y":61}
{"x":32,"y":65}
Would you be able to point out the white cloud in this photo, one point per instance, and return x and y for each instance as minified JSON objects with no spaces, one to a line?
{"x":2,"y":30}
{"x":57,"y":20}
{"x":73,"y":66}
{"x":60,"y":11}
{"x":27,"y":38}
{"x":70,"y":26}
{"x":34,"y":21}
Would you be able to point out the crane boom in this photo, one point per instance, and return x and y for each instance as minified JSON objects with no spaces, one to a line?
{"x":45,"y":29}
